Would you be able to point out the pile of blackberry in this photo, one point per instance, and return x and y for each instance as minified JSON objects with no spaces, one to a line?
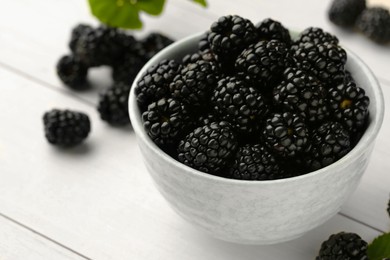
{"x":253,"y":104}
{"x":373,"y":22}
{"x":93,"y":47}
{"x":106,"y":46}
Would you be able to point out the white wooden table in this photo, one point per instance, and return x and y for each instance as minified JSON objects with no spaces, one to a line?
{"x":97,"y":201}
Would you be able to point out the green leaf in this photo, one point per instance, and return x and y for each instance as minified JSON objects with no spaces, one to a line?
{"x":117,"y":13}
{"x":153,"y":7}
{"x":379,"y":248}
{"x":201,"y":2}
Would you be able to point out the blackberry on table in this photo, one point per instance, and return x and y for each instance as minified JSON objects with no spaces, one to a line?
{"x":324,"y":61}
{"x":66,"y":127}
{"x":155,"y":82}
{"x":152,"y":44}
{"x":301,"y":93}
{"x":388,"y":207}
{"x":72,"y":71}
{"x":343,"y":246}
{"x":166,"y":120}
{"x":286,"y":134}
{"x":255,"y":162}
{"x":316,"y":36}
{"x":262,"y":63}
{"x":127,"y":69}
{"x":330,"y":142}
{"x":77,"y":32}
{"x":99,"y":47}
{"x":345,"y":12}
{"x":208,"y":148}
{"x":230,"y":35}
{"x":240,"y":104}
{"x":375,"y":24}
{"x":269,"y":29}
{"x":113,"y":104}
{"x":348,"y":105}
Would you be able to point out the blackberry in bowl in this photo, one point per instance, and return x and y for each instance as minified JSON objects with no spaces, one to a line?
{"x":234,"y":186}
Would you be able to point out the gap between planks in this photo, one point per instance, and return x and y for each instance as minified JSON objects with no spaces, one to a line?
{"x":43,"y":236}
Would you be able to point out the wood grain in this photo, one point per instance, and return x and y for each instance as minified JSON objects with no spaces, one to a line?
{"x":17,"y":243}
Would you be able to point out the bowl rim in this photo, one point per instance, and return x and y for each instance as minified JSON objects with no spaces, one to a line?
{"x":368,"y":137}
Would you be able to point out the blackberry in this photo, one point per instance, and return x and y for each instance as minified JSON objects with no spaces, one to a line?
{"x":348,"y":105}
{"x":330,"y":142}
{"x":101,"y":46}
{"x":388,"y":208}
{"x":72,"y":72}
{"x":230,"y":35}
{"x":76,"y":33}
{"x":154,"y":84}
{"x":66,"y":127}
{"x":208,"y":148}
{"x":286,"y":134}
{"x":269,"y":29}
{"x":345,"y":246}
{"x":324,"y":61}
{"x":113,"y":104}
{"x":240,"y":104}
{"x":301,"y":93}
{"x":166,"y":120}
{"x":255,"y":162}
{"x":375,"y":24}
{"x":345,"y":12}
{"x":262,"y":63}
{"x":127,"y":69}
{"x":194,"y":83}
{"x":152,"y":44}
{"x":316,"y":36}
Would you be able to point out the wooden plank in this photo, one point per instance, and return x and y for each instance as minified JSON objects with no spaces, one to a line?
{"x":98,"y":198}
{"x":17,"y":243}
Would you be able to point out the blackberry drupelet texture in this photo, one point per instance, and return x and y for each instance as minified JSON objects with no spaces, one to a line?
{"x":303,"y":94}
{"x":66,"y":127}
{"x":348,"y":105}
{"x":101,"y":46}
{"x":194,"y":83}
{"x":255,"y":162}
{"x":77,"y":32}
{"x":375,"y":24}
{"x":345,"y":12}
{"x":72,"y":72}
{"x":316,"y":35}
{"x":208,"y":148}
{"x":286,"y":134}
{"x":230,"y":35}
{"x":240,"y":104}
{"x":343,"y":246}
{"x":321,"y":60}
{"x":152,"y":44}
{"x":166,"y":121}
{"x":113,"y":104}
{"x":262,"y":63}
{"x":330,"y":142}
{"x":127,"y":68}
{"x":269,"y":29}
{"x":154,"y":84}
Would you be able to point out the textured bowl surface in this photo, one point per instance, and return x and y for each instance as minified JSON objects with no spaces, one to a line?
{"x":258,"y":212}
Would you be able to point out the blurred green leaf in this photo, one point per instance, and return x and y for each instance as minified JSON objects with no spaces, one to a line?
{"x":379,"y":248}
{"x":201,"y":2}
{"x":125,"y":13}
{"x":153,"y":7}
{"x":116,"y":13}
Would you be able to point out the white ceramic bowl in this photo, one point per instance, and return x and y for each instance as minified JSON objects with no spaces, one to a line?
{"x":258,"y":212}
